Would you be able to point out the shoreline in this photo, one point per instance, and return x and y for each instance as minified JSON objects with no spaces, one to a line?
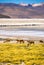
{"x":22,"y":37}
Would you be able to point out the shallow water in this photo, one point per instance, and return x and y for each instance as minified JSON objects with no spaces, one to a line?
{"x":22,"y":32}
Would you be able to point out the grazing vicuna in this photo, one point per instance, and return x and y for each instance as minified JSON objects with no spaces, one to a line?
{"x":7,"y":40}
{"x":30,"y":42}
{"x":41,"y":41}
{"x":20,"y":41}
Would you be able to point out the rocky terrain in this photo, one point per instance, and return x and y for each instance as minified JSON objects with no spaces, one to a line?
{"x":12,"y":10}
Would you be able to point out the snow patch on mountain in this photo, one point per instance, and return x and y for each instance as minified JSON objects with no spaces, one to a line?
{"x":40,"y":4}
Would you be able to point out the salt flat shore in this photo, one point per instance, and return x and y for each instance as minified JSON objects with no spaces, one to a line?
{"x":30,"y":24}
{"x":22,"y":37}
{"x":20,"y":21}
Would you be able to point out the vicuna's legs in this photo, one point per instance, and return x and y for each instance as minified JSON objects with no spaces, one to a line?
{"x":29,"y":43}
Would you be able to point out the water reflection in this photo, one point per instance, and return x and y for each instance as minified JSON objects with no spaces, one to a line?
{"x":22,"y":32}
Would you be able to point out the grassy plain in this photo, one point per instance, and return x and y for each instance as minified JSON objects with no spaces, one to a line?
{"x":18,"y":53}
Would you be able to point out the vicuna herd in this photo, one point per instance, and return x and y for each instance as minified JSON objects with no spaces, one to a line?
{"x":23,"y":41}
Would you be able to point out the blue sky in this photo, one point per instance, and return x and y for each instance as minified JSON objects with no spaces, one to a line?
{"x":21,"y":1}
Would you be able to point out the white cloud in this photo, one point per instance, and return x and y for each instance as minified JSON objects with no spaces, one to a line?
{"x":40,"y":4}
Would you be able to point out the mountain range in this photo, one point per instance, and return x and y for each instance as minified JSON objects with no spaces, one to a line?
{"x":12,"y":10}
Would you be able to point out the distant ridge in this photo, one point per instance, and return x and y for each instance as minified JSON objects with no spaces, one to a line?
{"x":22,"y":10}
{"x":4,"y":16}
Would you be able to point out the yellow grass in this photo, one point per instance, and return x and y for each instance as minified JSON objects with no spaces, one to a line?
{"x":16,"y":53}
